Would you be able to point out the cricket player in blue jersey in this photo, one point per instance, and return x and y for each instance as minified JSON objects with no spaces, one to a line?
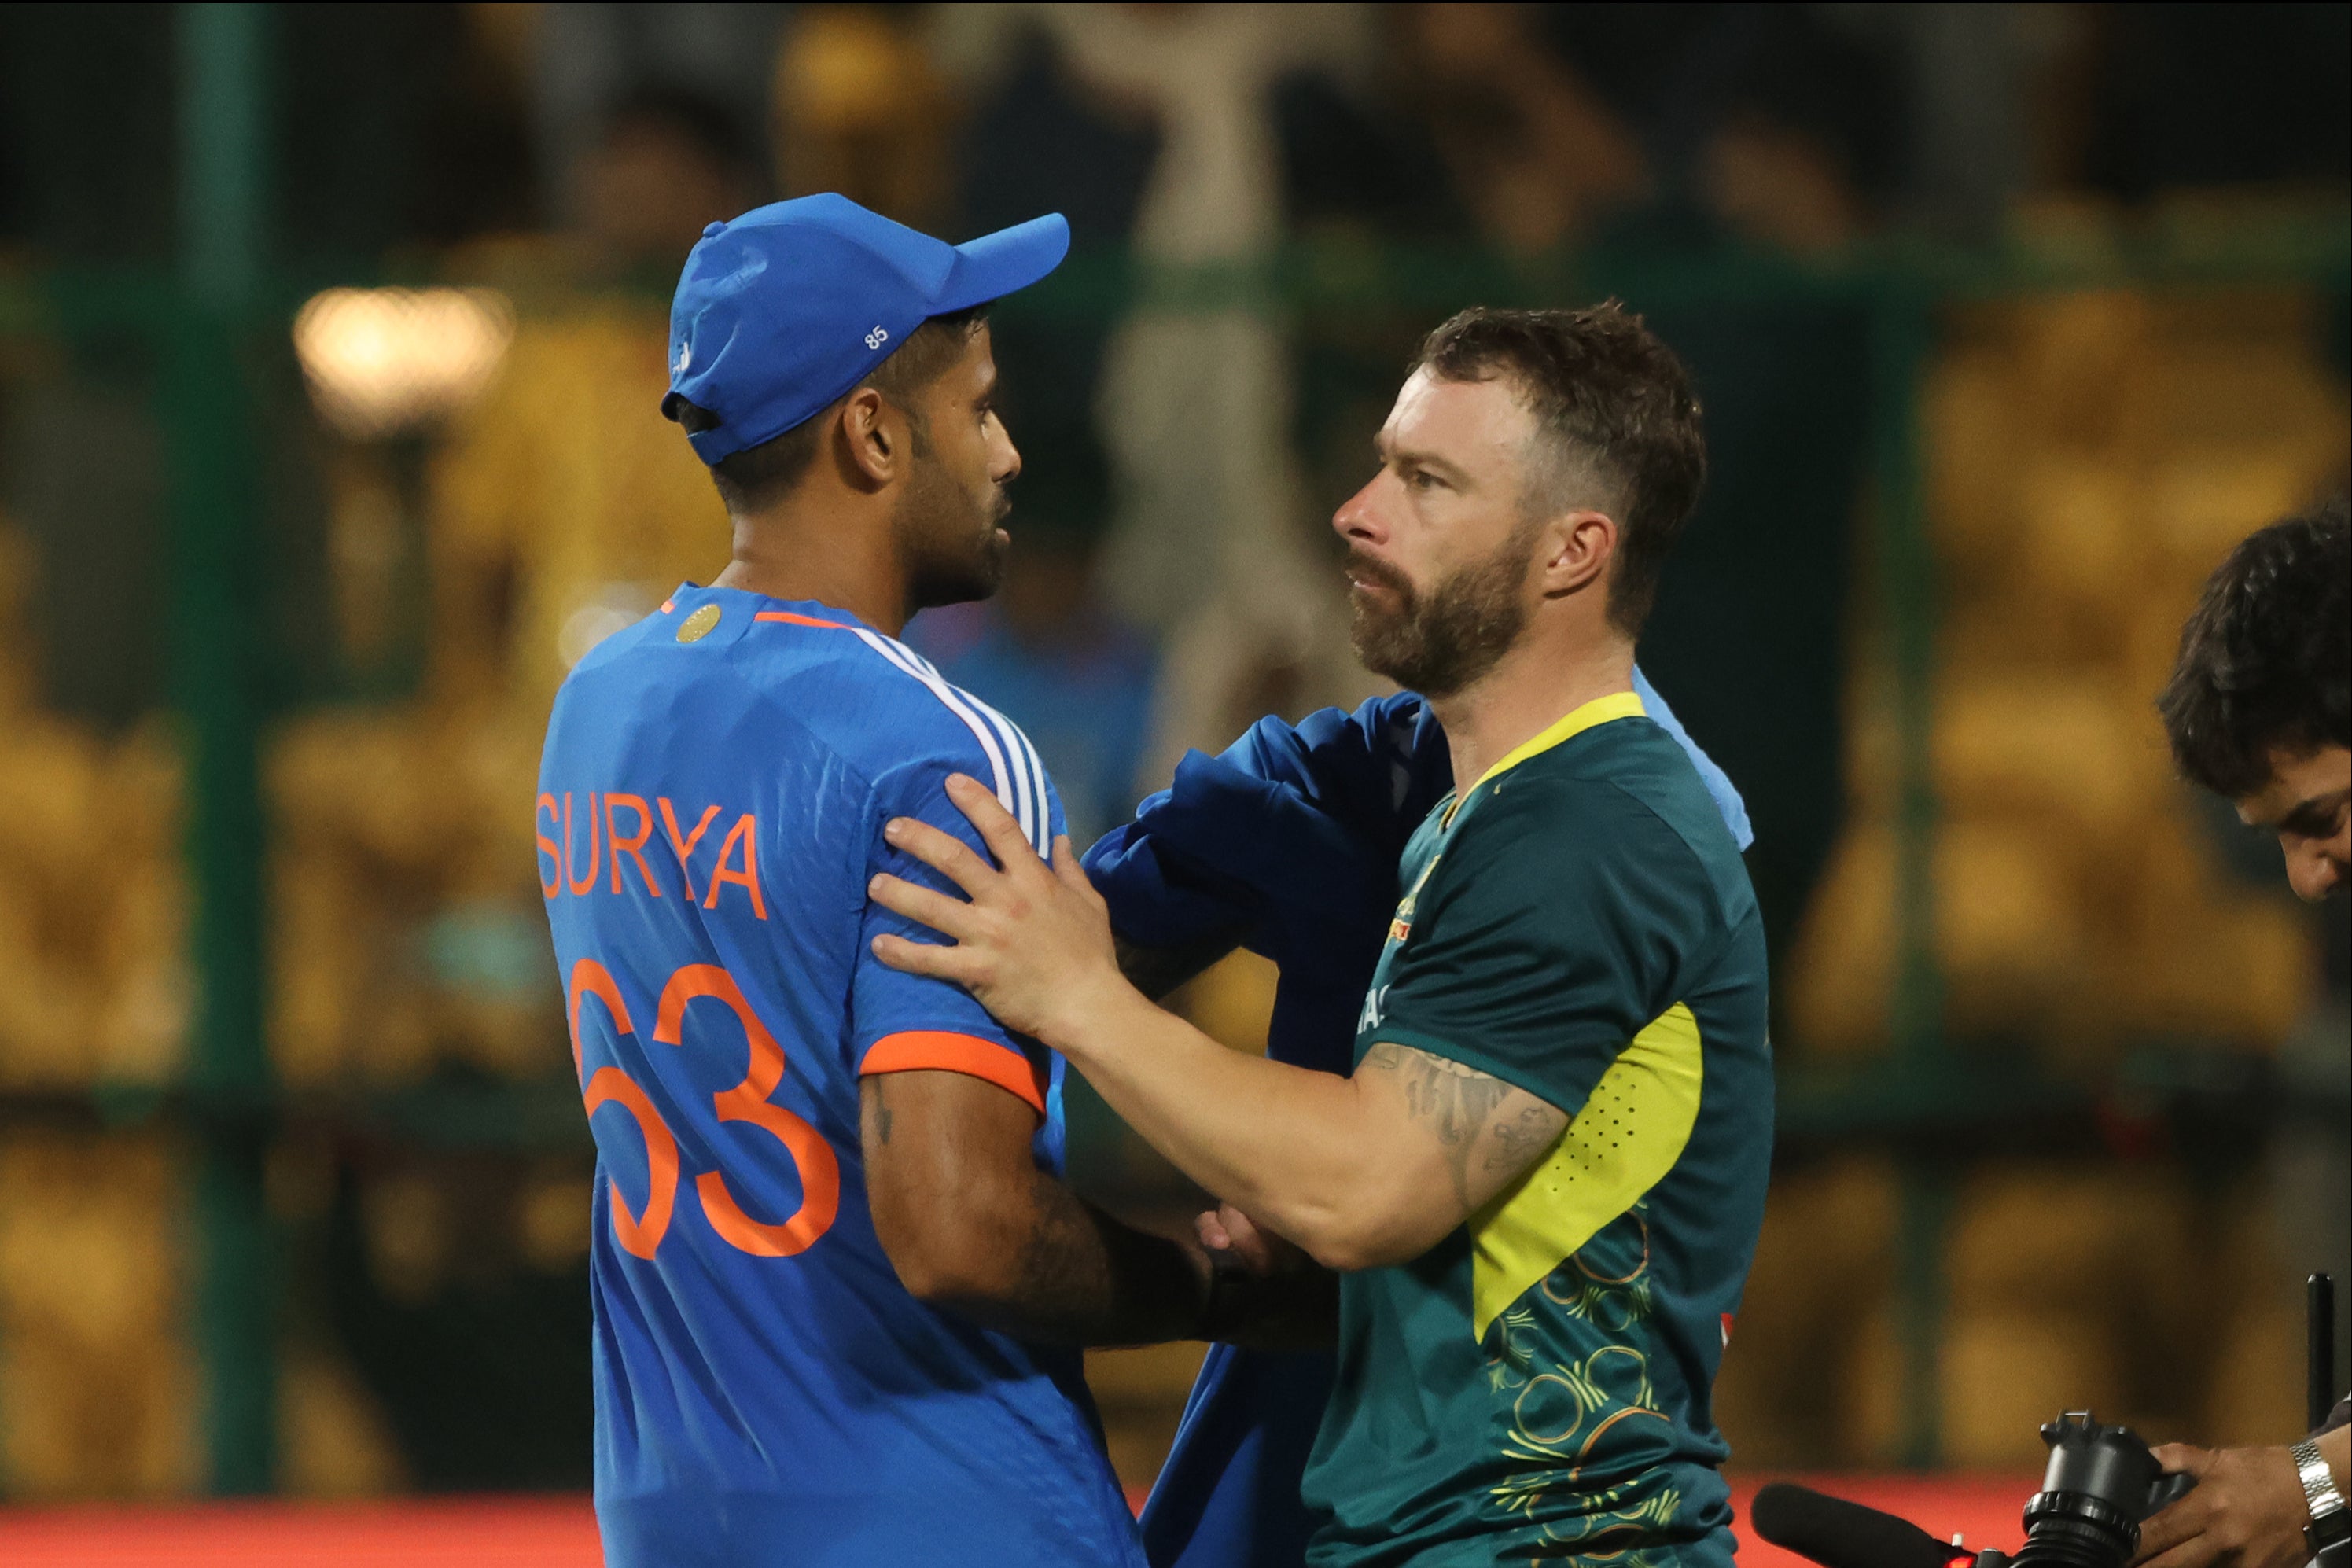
{"x":839,"y":1293}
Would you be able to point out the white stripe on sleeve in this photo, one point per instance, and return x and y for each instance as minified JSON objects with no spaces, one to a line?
{"x":1028,"y":772}
{"x":1033,"y":799}
{"x":907,"y":661}
{"x":1045,"y":799}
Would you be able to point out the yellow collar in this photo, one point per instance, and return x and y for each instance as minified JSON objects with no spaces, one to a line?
{"x":1599,"y":710}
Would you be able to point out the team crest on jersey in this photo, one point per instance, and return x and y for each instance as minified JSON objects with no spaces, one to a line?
{"x":1401,"y":926}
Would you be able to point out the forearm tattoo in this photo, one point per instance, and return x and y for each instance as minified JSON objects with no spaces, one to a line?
{"x":1483,"y":1123}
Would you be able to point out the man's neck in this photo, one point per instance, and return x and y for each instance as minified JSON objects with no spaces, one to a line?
{"x":785,"y":554}
{"x":1533,"y":687}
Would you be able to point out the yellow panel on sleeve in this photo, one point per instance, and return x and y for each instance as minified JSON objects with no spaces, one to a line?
{"x":1627,"y":1137}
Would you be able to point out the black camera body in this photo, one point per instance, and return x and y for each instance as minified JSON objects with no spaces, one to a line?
{"x":2102,"y":1481}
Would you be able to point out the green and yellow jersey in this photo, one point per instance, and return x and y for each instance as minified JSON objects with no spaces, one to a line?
{"x":1535,"y":1388}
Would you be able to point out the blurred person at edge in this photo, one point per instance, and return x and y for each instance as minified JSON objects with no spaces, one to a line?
{"x":2259,"y":711}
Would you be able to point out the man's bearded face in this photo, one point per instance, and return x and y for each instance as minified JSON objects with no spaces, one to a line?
{"x":949,"y":529}
{"x":1439,"y":641}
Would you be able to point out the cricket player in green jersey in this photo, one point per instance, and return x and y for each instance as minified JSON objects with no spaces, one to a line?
{"x":1542,"y":1184}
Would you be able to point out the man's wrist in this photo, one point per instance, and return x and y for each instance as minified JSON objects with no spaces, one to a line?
{"x":1225,"y":1301}
{"x":2330,"y":1519}
{"x":1094,"y":1017}
{"x":2335,"y":1445}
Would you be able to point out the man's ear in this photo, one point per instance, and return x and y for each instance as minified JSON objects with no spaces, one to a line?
{"x":871,"y":438}
{"x":1577,"y":549}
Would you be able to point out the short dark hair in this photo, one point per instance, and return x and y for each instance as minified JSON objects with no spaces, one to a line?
{"x":759,"y":476}
{"x":2266,"y":657}
{"x":1609,"y":400}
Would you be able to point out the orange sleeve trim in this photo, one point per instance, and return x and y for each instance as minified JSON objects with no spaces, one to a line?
{"x":937,"y":1050}
{"x":799,"y":620}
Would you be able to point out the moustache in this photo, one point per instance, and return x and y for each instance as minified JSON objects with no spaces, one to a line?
{"x":1364,"y":568}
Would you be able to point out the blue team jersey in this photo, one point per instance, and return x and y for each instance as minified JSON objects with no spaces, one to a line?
{"x":710,"y":808}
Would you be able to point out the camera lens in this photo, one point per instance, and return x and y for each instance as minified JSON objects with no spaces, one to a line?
{"x":2093,"y":1495}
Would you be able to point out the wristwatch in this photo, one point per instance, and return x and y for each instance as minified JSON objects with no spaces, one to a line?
{"x":2331,"y":1521}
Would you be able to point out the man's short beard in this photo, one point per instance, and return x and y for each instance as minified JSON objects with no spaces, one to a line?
{"x":1439,"y":642}
{"x":947,"y":537}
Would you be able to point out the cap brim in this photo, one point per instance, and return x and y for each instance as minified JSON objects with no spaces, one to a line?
{"x":1003,"y":263}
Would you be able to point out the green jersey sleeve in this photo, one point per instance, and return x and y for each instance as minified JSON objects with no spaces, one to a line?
{"x":1553,"y":928}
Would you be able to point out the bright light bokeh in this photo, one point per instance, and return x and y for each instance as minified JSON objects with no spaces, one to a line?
{"x":380,"y":361}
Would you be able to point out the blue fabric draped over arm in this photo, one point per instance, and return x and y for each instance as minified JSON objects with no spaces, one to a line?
{"x":1287,"y":844}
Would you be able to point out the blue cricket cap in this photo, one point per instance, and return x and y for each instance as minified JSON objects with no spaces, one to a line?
{"x":783,"y":311}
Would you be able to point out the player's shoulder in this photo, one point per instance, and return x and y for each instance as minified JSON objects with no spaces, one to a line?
{"x":1622,"y":803}
{"x":1632,"y":767}
{"x":722,"y":663}
{"x":890,"y":715}
{"x":763,"y":676}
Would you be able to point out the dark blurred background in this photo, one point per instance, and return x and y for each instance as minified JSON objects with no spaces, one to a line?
{"x":331,"y":342}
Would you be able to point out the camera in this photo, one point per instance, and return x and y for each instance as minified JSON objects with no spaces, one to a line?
{"x":2101,"y":1482}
